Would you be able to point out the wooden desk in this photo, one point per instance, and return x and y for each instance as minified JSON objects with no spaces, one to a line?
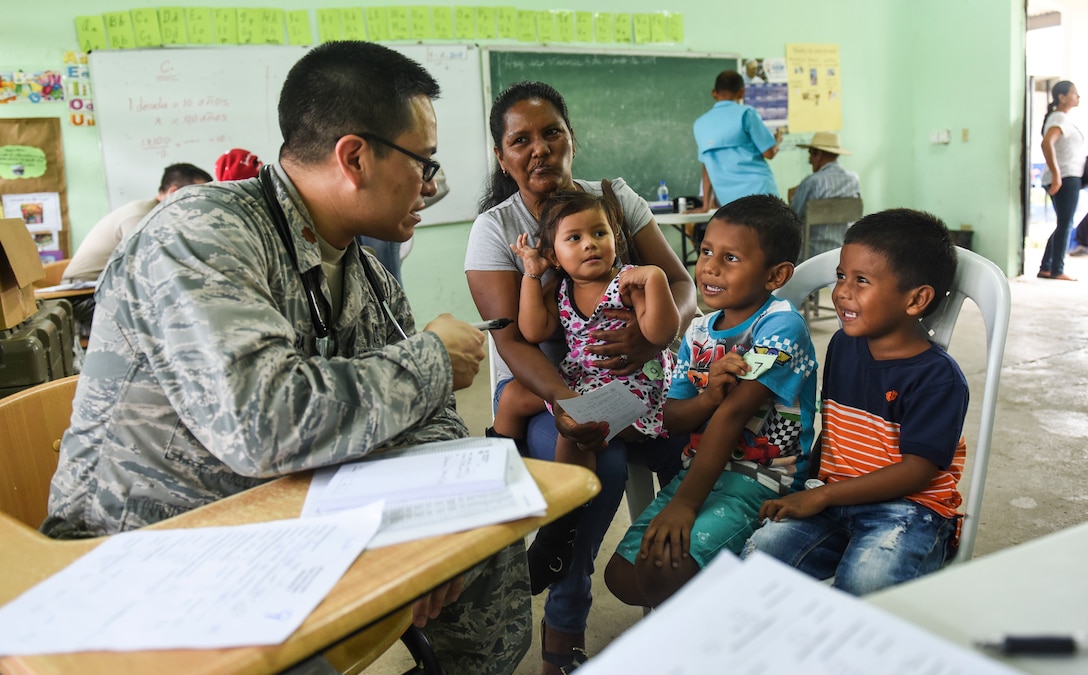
{"x":52,"y":295}
{"x":1036,"y":587}
{"x":378,"y":582}
{"x":684,"y":223}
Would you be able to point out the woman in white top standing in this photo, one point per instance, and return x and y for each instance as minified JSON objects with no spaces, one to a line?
{"x":1063,"y":148}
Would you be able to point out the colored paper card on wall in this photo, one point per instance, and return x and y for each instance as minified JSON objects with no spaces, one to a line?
{"x":298,"y":27}
{"x":507,"y":22}
{"x":354,"y":28}
{"x":377,"y":23}
{"x":545,"y":26}
{"x":91,"y":32}
{"x":602,"y":26}
{"x":659,"y":25}
{"x":486,"y":28}
{"x":564,"y":25}
{"x":119,"y":30}
{"x":621,"y":28}
{"x":172,"y":25}
{"x":676,"y":27}
{"x":526,"y":25}
{"x":145,"y":27}
{"x":442,"y":17}
{"x":464,"y":22}
{"x":273,"y":27}
{"x":250,"y":26}
{"x":583,"y":26}
{"x":420,"y":17}
{"x":329,"y":25}
{"x":226,"y":25}
{"x":642,"y":32}
{"x":199,"y":22}
{"x":400,"y":26}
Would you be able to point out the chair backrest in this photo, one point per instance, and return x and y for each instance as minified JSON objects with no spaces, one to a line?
{"x":32,"y":422}
{"x":826,"y":221}
{"x":54,"y":273}
{"x":986,"y":285}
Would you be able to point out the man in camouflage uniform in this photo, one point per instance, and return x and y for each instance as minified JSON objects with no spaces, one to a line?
{"x":205,"y":377}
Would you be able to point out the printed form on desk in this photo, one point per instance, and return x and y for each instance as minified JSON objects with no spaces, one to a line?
{"x":760,"y":616}
{"x":460,"y":492}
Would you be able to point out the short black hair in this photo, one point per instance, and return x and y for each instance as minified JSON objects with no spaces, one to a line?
{"x":563,"y":203}
{"x":729,"y":81}
{"x":917,"y":246}
{"x":180,"y":175}
{"x":776,"y":225}
{"x":348,"y":87}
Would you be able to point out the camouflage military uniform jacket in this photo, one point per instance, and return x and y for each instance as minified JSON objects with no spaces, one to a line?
{"x":202,"y":378}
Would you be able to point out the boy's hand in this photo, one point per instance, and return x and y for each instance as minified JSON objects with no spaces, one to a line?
{"x":534,"y":263}
{"x":722,"y":376}
{"x":797,"y":505}
{"x":668,"y":537}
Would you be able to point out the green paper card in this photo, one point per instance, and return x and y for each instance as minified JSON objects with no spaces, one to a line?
{"x":621,"y":28}
{"x":659,"y":27}
{"x":199,"y":20}
{"x":486,"y":28}
{"x":298,"y":27}
{"x":602,"y":26}
{"x":226,"y":26}
{"x":564,"y":26}
{"x":526,"y":25}
{"x":465,"y":22}
{"x":172,"y":24}
{"x":545,"y":26}
{"x":420,"y":16}
{"x":90,"y":32}
{"x":642,"y":29}
{"x":400,"y":27}
{"x":119,"y":30}
{"x":354,"y":28}
{"x":250,"y":26}
{"x":273,"y":27}
{"x":377,"y":23}
{"x":508,"y":23}
{"x":676,"y":27}
{"x":583,"y":26}
{"x":145,"y":26}
{"x":329,"y":25}
{"x":443,"y":22}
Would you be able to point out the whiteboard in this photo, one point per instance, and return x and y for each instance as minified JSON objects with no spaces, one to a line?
{"x":158,"y":107}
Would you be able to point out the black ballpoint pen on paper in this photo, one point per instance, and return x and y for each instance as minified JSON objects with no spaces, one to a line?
{"x":1034,"y":645}
{"x":494,"y":324}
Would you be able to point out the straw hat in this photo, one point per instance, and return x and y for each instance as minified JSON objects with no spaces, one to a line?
{"x":827,"y":141}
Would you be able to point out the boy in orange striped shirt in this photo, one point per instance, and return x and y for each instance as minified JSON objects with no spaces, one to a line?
{"x":893,"y":405}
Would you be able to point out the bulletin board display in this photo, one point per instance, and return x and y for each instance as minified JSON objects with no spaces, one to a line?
{"x":157,"y":107}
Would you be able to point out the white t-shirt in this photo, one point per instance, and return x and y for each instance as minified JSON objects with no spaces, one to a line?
{"x":90,"y":258}
{"x":497,"y":228}
{"x":1068,"y":149}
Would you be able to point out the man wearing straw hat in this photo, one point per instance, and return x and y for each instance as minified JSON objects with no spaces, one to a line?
{"x":828,"y":179}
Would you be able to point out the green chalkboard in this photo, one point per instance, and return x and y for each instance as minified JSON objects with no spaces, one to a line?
{"x":632,"y":113}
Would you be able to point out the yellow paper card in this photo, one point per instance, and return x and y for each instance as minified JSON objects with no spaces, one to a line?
{"x":420,"y":16}
{"x":199,"y":20}
{"x":298,"y":27}
{"x":486,"y":28}
{"x":508,"y":22}
{"x":145,"y":26}
{"x":250,"y":26}
{"x":545,"y":26}
{"x":172,"y":25}
{"x":643,"y":33}
{"x":526,"y":25}
{"x":354,"y":28}
{"x":564,"y":26}
{"x":443,"y":22}
{"x":583,"y":26}
{"x":377,"y":23}
{"x":329,"y":25}
{"x":119,"y":30}
{"x":273,"y":27}
{"x":91,"y":32}
{"x":676,"y":27}
{"x":226,"y":25}
{"x":621,"y":28}
{"x":465,"y":22}
{"x":659,"y":27}
{"x":400,"y":27}
{"x":602,"y":26}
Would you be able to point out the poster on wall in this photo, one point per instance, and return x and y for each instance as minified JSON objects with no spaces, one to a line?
{"x":41,"y":213}
{"x":32,"y":180}
{"x":815,"y":94}
{"x":765,"y":89}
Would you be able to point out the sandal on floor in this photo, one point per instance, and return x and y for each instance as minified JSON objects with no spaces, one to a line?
{"x":566,"y":662}
{"x":1043,"y":275}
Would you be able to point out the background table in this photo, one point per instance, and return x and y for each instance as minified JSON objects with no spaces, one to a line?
{"x":684,"y":223}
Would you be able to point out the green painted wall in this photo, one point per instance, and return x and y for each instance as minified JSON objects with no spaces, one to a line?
{"x":908,"y":68}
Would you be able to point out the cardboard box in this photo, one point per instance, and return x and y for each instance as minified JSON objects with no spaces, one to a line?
{"x":20,"y":267}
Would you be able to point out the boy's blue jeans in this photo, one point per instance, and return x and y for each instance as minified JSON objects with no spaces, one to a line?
{"x":866,"y":547}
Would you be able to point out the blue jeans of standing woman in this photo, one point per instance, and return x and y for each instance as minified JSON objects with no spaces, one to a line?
{"x":1065,"y":205}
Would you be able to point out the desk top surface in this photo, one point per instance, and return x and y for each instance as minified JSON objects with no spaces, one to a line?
{"x":377,"y":583}
{"x":682,"y":218}
{"x":50,"y":295}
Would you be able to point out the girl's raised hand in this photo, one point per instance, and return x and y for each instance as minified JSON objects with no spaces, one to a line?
{"x":534,"y":263}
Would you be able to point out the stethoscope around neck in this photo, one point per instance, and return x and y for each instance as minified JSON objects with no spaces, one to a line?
{"x":319,"y":307}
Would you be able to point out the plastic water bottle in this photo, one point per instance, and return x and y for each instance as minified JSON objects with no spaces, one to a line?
{"x":662,"y":192}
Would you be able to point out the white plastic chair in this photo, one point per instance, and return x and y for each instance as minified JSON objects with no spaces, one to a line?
{"x":986,"y":285}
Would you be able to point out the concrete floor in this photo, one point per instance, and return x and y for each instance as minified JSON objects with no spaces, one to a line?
{"x":1038,"y":471}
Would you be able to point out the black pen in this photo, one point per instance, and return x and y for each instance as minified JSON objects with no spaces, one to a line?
{"x":494,"y":324}
{"x":1017,"y":645}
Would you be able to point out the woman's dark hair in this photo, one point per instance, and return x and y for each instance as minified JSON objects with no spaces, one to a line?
{"x":563,"y":203}
{"x":1060,"y":89}
{"x":499,"y":186}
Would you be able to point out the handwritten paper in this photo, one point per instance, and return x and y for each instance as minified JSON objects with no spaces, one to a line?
{"x":200,"y":588}
{"x":90,"y":32}
{"x":778,"y":620}
{"x":354,"y":29}
{"x":759,"y":364}
{"x":145,"y":26}
{"x":613,"y":403}
{"x":377,"y":23}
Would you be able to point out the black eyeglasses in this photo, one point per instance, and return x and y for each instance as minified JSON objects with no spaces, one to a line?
{"x":430,"y":167}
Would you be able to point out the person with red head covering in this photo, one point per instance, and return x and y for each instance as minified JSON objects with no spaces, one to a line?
{"x":237,"y":164}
